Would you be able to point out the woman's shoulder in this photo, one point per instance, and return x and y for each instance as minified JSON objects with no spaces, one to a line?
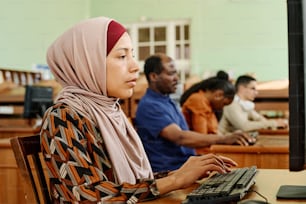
{"x":196,"y":96}
{"x":195,"y":99}
{"x":59,"y":110}
{"x":64,"y":112}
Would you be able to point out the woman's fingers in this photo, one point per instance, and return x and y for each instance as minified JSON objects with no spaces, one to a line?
{"x":220,"y":161}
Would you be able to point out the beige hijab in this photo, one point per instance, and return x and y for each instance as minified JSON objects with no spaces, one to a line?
{"x":77,"y":60}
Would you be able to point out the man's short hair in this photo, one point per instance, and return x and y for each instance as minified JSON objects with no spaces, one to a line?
{"x":243,"y":80}
{"x":153,"y":64}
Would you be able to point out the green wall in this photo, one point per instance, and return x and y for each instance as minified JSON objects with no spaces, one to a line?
{"x":27,"y":28}
{"x":241,"y":36}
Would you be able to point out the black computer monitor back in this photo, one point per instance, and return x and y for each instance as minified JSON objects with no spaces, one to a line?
{"x":37,"y":100}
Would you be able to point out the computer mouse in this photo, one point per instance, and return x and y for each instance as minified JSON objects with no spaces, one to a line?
{"x":253,"y":202}
{"x":252,"y":142}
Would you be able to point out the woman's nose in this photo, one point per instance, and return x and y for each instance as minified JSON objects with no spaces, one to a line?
{"x":134,"y":67}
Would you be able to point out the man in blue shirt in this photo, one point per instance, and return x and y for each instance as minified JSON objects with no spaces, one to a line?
{"x":161,"y":125}
{"x":163,"y":153}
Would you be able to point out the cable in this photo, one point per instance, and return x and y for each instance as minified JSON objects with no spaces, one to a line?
{"x":266,"y":200}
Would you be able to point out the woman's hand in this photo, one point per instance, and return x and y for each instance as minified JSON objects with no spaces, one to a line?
{"x":195,"y":168}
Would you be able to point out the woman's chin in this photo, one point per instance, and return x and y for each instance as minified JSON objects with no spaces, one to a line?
{"x":127,"y":94}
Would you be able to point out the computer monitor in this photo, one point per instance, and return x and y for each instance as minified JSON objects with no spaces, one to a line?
{"x":37,"y":99}
{"x":296,"y":12}
{"x":296,"y":85}
{"x":296,"y":37}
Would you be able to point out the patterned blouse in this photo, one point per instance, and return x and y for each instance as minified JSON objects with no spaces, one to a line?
{"x":78,"y":163}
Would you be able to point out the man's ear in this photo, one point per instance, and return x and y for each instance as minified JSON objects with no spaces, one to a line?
{"x":153,"y":76}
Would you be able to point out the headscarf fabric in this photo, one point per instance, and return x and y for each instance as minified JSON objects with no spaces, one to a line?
{"x":77,"y":59}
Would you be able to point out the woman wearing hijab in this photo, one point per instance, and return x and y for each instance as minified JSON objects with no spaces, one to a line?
{"x":92,"y":153}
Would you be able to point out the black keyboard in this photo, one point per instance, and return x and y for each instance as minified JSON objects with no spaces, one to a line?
{"x":223,"y":188}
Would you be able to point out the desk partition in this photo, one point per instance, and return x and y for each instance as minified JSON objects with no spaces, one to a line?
{"x":269,"y":152}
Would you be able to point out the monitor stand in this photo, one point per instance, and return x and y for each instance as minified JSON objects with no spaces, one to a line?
{"x":291,"y":192}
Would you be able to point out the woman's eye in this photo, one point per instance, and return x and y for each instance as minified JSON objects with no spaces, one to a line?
{"x":122,"y":56}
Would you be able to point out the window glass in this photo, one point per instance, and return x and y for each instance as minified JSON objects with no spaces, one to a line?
{"x":144,"y":52}
{"x":178,"y":52}
{"x":160,"y":34}
{"x":177,"y":33}
{"x":161,"y":49}
{"x":186,"y":32}
{"x":143,"y":35}
{"x":187,"y":51}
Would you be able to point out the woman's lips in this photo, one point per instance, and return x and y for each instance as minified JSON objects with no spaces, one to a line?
{"x":132,"y":82}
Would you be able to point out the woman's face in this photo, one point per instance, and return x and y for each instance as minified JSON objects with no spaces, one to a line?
{"x":121,"y":69}
{"x":219,"y":100}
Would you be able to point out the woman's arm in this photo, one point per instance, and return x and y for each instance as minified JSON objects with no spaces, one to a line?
{"x":78,"y":162}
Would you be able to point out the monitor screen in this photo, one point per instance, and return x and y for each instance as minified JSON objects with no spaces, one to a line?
{"x":37,"y":100}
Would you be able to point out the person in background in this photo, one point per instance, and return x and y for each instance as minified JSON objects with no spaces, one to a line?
{"x":241,"y":113}
{"x":202,"y":100}
{"x":161,"y":125}
{"x":222,"y":75}
{"x":92,"y":152}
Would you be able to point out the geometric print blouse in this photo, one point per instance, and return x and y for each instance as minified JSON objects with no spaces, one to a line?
{"x":78,"y":164}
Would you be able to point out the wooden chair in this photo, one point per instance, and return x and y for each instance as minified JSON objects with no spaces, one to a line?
{"x":27,"y":153}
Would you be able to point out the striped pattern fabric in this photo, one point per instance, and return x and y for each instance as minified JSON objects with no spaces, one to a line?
{"x":78,"y":164}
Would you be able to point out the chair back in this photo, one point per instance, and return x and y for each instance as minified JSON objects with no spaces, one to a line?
{"x":27,"y":153}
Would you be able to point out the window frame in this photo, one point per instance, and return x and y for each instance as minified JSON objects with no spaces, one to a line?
{"x":182,"y":64}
